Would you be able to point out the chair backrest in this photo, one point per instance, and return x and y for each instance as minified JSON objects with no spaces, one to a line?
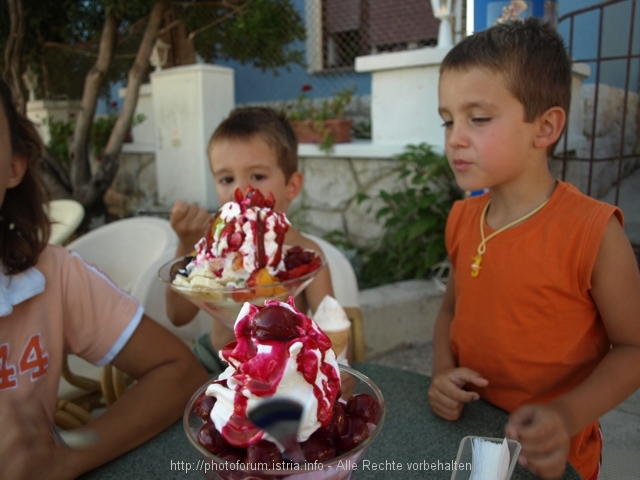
{"x":343,"y":278}
{"x":124,"y":249}
{"x":149,"y":290}
{"x":65,"y":215}
{"x":345,"y":290}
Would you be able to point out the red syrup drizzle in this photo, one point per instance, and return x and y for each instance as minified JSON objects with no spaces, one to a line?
{"x":261,"y":373}
{"x":252,"y":199}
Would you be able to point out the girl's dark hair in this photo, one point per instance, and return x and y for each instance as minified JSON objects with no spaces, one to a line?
{"x":24,"y":225}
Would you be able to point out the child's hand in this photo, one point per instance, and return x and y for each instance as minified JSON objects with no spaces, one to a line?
{"x":26,"y":447}
{"x":542,"y":431}
{"x":446,"y":394}
{"x":189,"y":221}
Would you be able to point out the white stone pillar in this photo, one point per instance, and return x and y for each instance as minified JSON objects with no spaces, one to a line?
{"x":189,"y":102}
{"x":41,"y":112}
{"x":404,"y":96}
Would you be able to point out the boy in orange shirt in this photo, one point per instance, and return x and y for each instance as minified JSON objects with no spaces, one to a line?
{"x":253,"y":146}
{"x":541,"y":315}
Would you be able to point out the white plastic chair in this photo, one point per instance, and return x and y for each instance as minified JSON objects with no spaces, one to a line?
{"x":345,"y":290}
{"x":149,"y":290}
{"x":65,"y":215}
{"x":124,"y":249}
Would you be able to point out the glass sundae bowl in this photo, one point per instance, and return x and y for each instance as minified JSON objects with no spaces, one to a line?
{"x":337,"y":468}
{"x":224,"y":303}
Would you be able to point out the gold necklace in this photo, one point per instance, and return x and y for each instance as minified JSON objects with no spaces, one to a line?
{"x":477,"y":260}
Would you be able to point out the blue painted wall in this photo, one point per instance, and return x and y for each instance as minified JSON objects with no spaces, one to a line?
{"x":253,"y":85}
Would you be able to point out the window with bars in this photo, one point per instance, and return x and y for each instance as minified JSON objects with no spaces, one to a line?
{"x":340,"y":30}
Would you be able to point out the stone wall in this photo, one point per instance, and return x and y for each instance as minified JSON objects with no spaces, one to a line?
{"x":329,"y":200}
{"x":135,"y":186}
{"x":605,"y":139}
{"x":327,"y":203}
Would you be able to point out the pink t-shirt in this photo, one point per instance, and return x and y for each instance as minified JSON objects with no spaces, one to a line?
{"x":62,"y":305}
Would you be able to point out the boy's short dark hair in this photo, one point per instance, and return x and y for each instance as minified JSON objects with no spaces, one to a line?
{"x":530,"y":56}
{"x":245,"y":122}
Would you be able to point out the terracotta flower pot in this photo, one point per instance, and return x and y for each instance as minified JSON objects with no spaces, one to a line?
{"x":309,"y":131}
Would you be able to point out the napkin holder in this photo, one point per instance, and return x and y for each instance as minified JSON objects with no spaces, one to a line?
{"x":465,"y":456}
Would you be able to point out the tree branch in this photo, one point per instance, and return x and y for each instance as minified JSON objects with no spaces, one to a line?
{"x":217,"y":21}
{"x":79,"y":155}
{"x":13,"y":52}
{"x":136,"y":75}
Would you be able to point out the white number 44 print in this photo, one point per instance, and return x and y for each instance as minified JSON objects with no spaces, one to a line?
{"x":33,"y":360}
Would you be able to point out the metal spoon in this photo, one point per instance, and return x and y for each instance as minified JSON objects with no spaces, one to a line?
{"x":280,"y":418}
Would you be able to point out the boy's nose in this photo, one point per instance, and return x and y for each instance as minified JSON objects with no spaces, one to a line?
{"x":456,"y":136}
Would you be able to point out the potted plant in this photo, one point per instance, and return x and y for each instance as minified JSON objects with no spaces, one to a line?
{"x":323,"y":124}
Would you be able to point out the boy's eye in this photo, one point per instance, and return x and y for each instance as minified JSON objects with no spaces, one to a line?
{"x":447,"y":123}
{"x":258,"y":176}
{"x":225,"y":180}
{"x":481,"y":120}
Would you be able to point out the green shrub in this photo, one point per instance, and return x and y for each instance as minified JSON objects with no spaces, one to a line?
{"x":414,"y":220}
{"x":61,"y":133}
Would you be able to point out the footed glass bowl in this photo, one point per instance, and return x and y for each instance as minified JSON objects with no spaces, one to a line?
{"x":224,"y":303}
{"x":338,"y":468}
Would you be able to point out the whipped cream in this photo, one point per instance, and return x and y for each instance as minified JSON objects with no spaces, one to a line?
{"x":330,"y":316}
{"x":231,"y":249}
{"x":302,"y":368}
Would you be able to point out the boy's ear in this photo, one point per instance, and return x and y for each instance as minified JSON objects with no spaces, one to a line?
{"x":294,"y":185}
{"x":18,"y":168}
{"x":550,"y":126}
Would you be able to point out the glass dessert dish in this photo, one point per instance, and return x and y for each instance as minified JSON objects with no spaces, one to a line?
{"x":224,"y":303}
{"x":337,"y":468}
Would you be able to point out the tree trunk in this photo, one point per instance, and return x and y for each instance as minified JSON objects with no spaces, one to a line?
{"x":110,"y":162}
{"x":79,"y":149}
{"x":13,"y":52}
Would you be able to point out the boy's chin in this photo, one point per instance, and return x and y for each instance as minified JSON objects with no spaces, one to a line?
{"x":470,"y":186}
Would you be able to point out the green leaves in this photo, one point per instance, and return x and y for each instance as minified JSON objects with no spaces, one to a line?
{"x":414,"y":219}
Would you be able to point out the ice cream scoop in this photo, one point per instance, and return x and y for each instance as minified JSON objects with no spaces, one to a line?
{"x":279,"y":353}
{"x":333,"y":321}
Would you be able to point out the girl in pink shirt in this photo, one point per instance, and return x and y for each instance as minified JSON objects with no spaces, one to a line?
{"x":51,"y":303}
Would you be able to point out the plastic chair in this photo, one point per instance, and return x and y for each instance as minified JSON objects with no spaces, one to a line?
{"x":65,"y":215}
{"x":345,"y":290}
{"x":123,"y":250}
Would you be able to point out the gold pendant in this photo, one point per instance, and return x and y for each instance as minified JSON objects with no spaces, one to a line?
{"x":475,"y":266}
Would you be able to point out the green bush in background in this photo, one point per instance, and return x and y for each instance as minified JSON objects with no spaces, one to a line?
{"x":414,"y":220}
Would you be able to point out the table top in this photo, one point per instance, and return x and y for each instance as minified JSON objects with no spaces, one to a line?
{"x":412,"y":437}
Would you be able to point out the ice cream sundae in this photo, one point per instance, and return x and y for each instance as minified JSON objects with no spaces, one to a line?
{"x":280,"y":352}
{"x":244,"y":247}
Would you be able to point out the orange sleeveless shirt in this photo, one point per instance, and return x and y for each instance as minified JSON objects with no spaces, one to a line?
{"x":527,"y":322}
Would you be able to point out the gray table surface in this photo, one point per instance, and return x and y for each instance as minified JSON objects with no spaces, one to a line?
{"x":411,"y":435}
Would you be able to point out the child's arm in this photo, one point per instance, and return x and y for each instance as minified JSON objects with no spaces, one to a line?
{"x":189,"y":221}
{"x":166,"y":374}
{"x":446,"y":394}
{"x":544,"y":431}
